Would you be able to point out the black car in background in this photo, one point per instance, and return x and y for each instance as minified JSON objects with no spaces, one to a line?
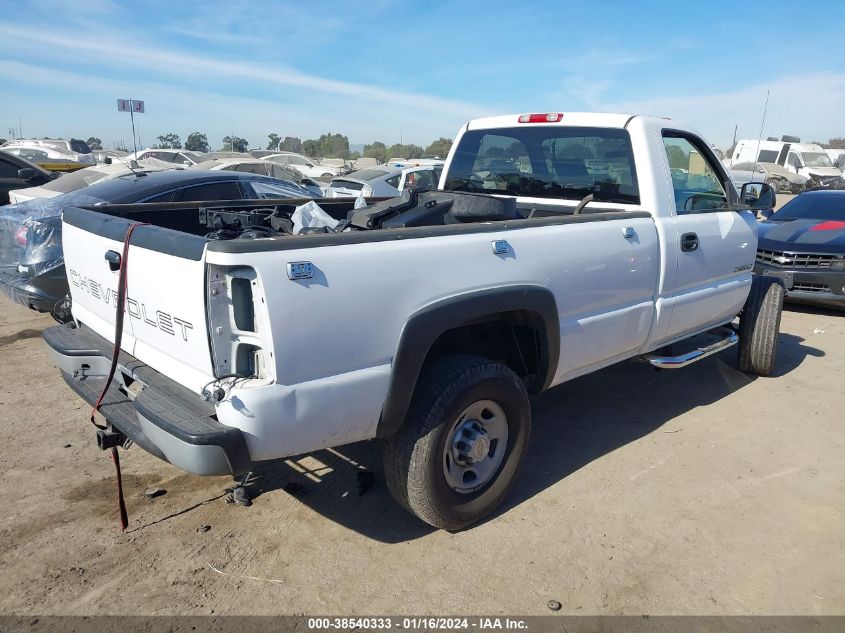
{"x":803,"y":243}
{"x":32,"y":270}
{"x":19,"y":173}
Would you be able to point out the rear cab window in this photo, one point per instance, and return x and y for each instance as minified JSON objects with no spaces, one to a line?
{"x":546,"y":162}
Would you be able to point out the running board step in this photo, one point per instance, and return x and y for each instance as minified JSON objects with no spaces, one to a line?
{"x":727,"y":338}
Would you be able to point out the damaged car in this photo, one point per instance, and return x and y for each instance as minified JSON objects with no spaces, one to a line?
{"x":32,"y":270}
{"x":778,"y":178}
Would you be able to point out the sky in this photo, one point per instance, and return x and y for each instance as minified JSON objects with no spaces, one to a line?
{"x":397,"y":70}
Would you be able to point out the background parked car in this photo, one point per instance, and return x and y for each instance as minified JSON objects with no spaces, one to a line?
{"x":32,"y":268}
{"x":306,"y":166}
{"x":50,"y":158}
{"x":385,"y":180}
{"x":177,"y":156}
{"x":364,"y":162}
{"x":57,"y":154}
{"x":777,"y":177}
{"x":225,"y":154}
{"x":85,"y":177}
{"x":803,"y":243}
{"x":18,"y":173}
{"x":343,"y":166}
{"x":102,"y":154}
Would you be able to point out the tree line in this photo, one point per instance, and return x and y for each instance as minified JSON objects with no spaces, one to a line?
{"x":337,"y":146}
{"x":328,"y":145}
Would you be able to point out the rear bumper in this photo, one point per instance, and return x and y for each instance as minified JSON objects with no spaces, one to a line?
{"x":156,"y":413}
{"x":808,"y":285}
{"x":38,"y":292}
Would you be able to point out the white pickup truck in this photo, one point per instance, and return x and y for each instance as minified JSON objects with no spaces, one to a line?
{"x":556,"y":244}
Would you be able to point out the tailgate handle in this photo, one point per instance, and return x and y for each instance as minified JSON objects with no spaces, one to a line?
{"x":113,"y":258}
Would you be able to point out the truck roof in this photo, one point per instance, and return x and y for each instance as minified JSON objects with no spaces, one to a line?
{"x":578,"y":119}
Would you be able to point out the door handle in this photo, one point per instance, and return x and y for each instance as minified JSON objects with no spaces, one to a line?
{"x":689,"y":242}
{"x":113,"y":258}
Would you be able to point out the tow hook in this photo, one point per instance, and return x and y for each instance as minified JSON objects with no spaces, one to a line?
{"x":109,"y":438}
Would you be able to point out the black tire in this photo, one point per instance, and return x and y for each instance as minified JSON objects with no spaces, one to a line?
{"x":776,"y":184}
{"x":759,"y":326}
{"x":413,"y":457}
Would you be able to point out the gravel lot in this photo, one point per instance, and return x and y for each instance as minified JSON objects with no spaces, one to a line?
{"x":689,"y":492}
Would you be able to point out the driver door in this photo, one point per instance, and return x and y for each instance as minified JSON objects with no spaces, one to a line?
{"x":715,"y":248}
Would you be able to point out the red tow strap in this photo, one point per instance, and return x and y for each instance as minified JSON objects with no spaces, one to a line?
{"x":122,"y":289}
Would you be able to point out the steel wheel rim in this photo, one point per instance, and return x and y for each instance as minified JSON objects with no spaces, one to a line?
{"x":475,"y":446}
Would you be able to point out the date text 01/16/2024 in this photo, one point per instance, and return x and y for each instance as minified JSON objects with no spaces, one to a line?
{"x":415,"y":623}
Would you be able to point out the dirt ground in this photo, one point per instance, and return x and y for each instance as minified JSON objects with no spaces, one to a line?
{"x":700,"y":491}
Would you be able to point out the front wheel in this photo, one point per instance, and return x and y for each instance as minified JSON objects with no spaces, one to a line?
{"x":759,"y":326}
{"x":457,"y":455}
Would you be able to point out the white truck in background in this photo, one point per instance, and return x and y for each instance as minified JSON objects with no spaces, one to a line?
{"x":556,"y":244}
{"x":806,"y":159}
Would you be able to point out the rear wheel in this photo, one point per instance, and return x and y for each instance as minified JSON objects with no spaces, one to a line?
{"x":759,"y":326}
{"x":456,"y":456}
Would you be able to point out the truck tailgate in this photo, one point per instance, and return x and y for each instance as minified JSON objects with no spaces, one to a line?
{"x":165,"y":322}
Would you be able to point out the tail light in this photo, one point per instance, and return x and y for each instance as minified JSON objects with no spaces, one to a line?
{"x":548,"y":117}
{"x":235,"y":325}
{"x":21,"y":235}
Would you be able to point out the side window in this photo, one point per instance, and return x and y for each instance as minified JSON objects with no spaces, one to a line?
{"x":167,"y":196}
{"x":283,"y":173}
{"x":210,"y":191}
{"x":420,"y":179}
{"x":393,"y":181}
{"x":696,"y":183}
{"x":8,"y":169}
{"x":794,"y":161}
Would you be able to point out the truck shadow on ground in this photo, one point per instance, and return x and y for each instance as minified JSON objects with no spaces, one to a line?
{"x":573,"y":424}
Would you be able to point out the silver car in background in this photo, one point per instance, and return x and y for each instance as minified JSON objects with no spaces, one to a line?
{"x":778,"y":178}
{"x":386,"y":180}
{"x":52,"y":154}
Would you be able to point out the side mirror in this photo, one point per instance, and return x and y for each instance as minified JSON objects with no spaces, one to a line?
{"x":107,"y":160}
{"x":767,"y":213}
{"x":757,"y":195}
{"x":27,"y":173}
